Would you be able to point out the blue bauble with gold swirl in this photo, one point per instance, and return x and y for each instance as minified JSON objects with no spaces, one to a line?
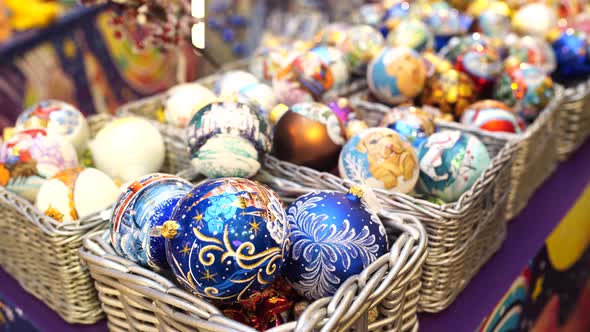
{"x":143,"y":206}
{"x":333,"y":236}
{"x":227,"y":239}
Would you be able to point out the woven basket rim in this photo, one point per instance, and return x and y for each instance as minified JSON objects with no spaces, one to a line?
{"x":405,"y":259}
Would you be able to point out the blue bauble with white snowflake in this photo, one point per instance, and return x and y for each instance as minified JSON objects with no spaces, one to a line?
{"x":226,"y":239}
{"x":333,"y":237}
{"x":450,"y":163}
{"x":145,"y":205}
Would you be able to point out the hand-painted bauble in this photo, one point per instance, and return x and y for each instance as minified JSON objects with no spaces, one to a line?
{"x":30,"y":157}
{"x":333,"y":237}
{"x":394,"y":15}
{"x":303,"y":129}
{"x":411,"y":33}
{"x":445,"y":23}
{"x":57,"y":118}
{"x":268,"y":63}
{"x":491,"y":115}
{"x":531,"y":50}
{"x":184,"y":100}
{"x":233,"y":81}
{"x":227,"y":239}
{"x":308,"y":73}
{"x":572,"y":51}
{"x":228,"y":139}
{"x":411,"y":123}
{"x":435,"y":64}
{"x":342,"y":109}
{"x":450,"y":91}
{"x":494,"y":23}
{"x":332,"y":34}
{"x":142,"y":208}
{"x":75,"y":193}
{"x":535,"y":19}
{"x":396,"y":75}
{"x":527,"y":89}
{"x":335,"y":60}
{"x":362,"y":43}
{"x":476,"y":56}
{"x":128,"y":148}
{"x":259,"y":95}
{"x":380,"y":158}
{"x":450,"y":163}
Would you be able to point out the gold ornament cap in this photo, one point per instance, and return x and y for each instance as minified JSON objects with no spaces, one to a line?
{"x":169,"y":229}
{"x":356,"y":191}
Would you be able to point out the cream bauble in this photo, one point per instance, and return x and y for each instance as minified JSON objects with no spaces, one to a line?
{"x":128,"y":148}
{"x":232,"y":82}
{"x":184,"y":100}
{"x":75,"y":193}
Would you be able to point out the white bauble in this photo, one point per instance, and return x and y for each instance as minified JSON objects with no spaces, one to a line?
{"x":184,"y":100}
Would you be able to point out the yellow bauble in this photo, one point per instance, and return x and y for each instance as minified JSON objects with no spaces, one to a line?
{"x":571,"y":238}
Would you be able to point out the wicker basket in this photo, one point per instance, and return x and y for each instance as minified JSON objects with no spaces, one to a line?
{"x":535,"y":161}
{"x":174,"y":137}
{"x":574,"y":119}
{"x":137,"y":299}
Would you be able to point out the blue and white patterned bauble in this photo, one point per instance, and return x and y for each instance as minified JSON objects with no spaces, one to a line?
{"x":233,"y":81}
{"x":333,"y":237}
{"x":450,"y":163}
{"x":380,"y":158}
{"x":396,"y":75}
{"x":58,"y":118}
{"x":230,"y":240}
{"x":228,"y":139}
{"x":144,"y":205}
{"x":259,"y":95}
{"x":412,"y":123}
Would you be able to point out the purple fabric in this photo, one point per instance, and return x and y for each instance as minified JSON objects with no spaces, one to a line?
{"x":526,"y":235}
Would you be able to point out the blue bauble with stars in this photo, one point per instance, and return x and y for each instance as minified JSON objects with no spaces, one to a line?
{"x":333,"y":237}
{"x":450,"y":163}
{"x":146,"y":204}
{"x":227,"y":239}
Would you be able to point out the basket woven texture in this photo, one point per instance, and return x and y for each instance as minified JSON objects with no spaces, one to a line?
{"x":137,"y":299}
{"x":42,"y":254}
{"x":574,"y":117}
{"x":533,"y":163}
{"x":462,"y":235}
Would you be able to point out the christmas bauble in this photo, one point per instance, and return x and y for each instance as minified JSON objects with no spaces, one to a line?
{"x":435,"y":64}
{"x":531,"y":50}
{"x":527,"y":89}
{"x":493,"y":115}
{"x":228,"y":139}
{"x":184,"y":100}
{"x":446,"y":22}
{"x":342,"y":109}
{"x":128,"y":148}
{"x":57,"y":118}
{"x":75,"y":193}
{"x":332,"y":34}
{"x":450,"y":163}
{"x":535,"y":19}
{"x":572,"y":51}
{"x":259,"y":95}
{"x":333,"y":236}
{"x":145,"y":205}
{"x":380,"y":158}
{"x":393,"y":15}
{"x":411,"y":123}
{"x":335,"y":60}
{"x":308,"y":77}
{"x":494,"y":23}
{"x":30,"y":157}
{"x":450,"y":91}
{"x":412,"y":33}
{"x":477,"y":57}
{"x":268,"y":63}
{"x":361,"y":44}
{"x":396,"y":75}
{"x":227,"y":239}
{"x":303,"y":129}
{"x":233,"y":81}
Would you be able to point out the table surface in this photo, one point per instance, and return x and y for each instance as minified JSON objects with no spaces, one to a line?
{"x":526,"y":235}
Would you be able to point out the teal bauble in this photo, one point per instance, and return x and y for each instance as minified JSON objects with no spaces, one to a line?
{"x":228,"y":139}
{"x":450,"y":163}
